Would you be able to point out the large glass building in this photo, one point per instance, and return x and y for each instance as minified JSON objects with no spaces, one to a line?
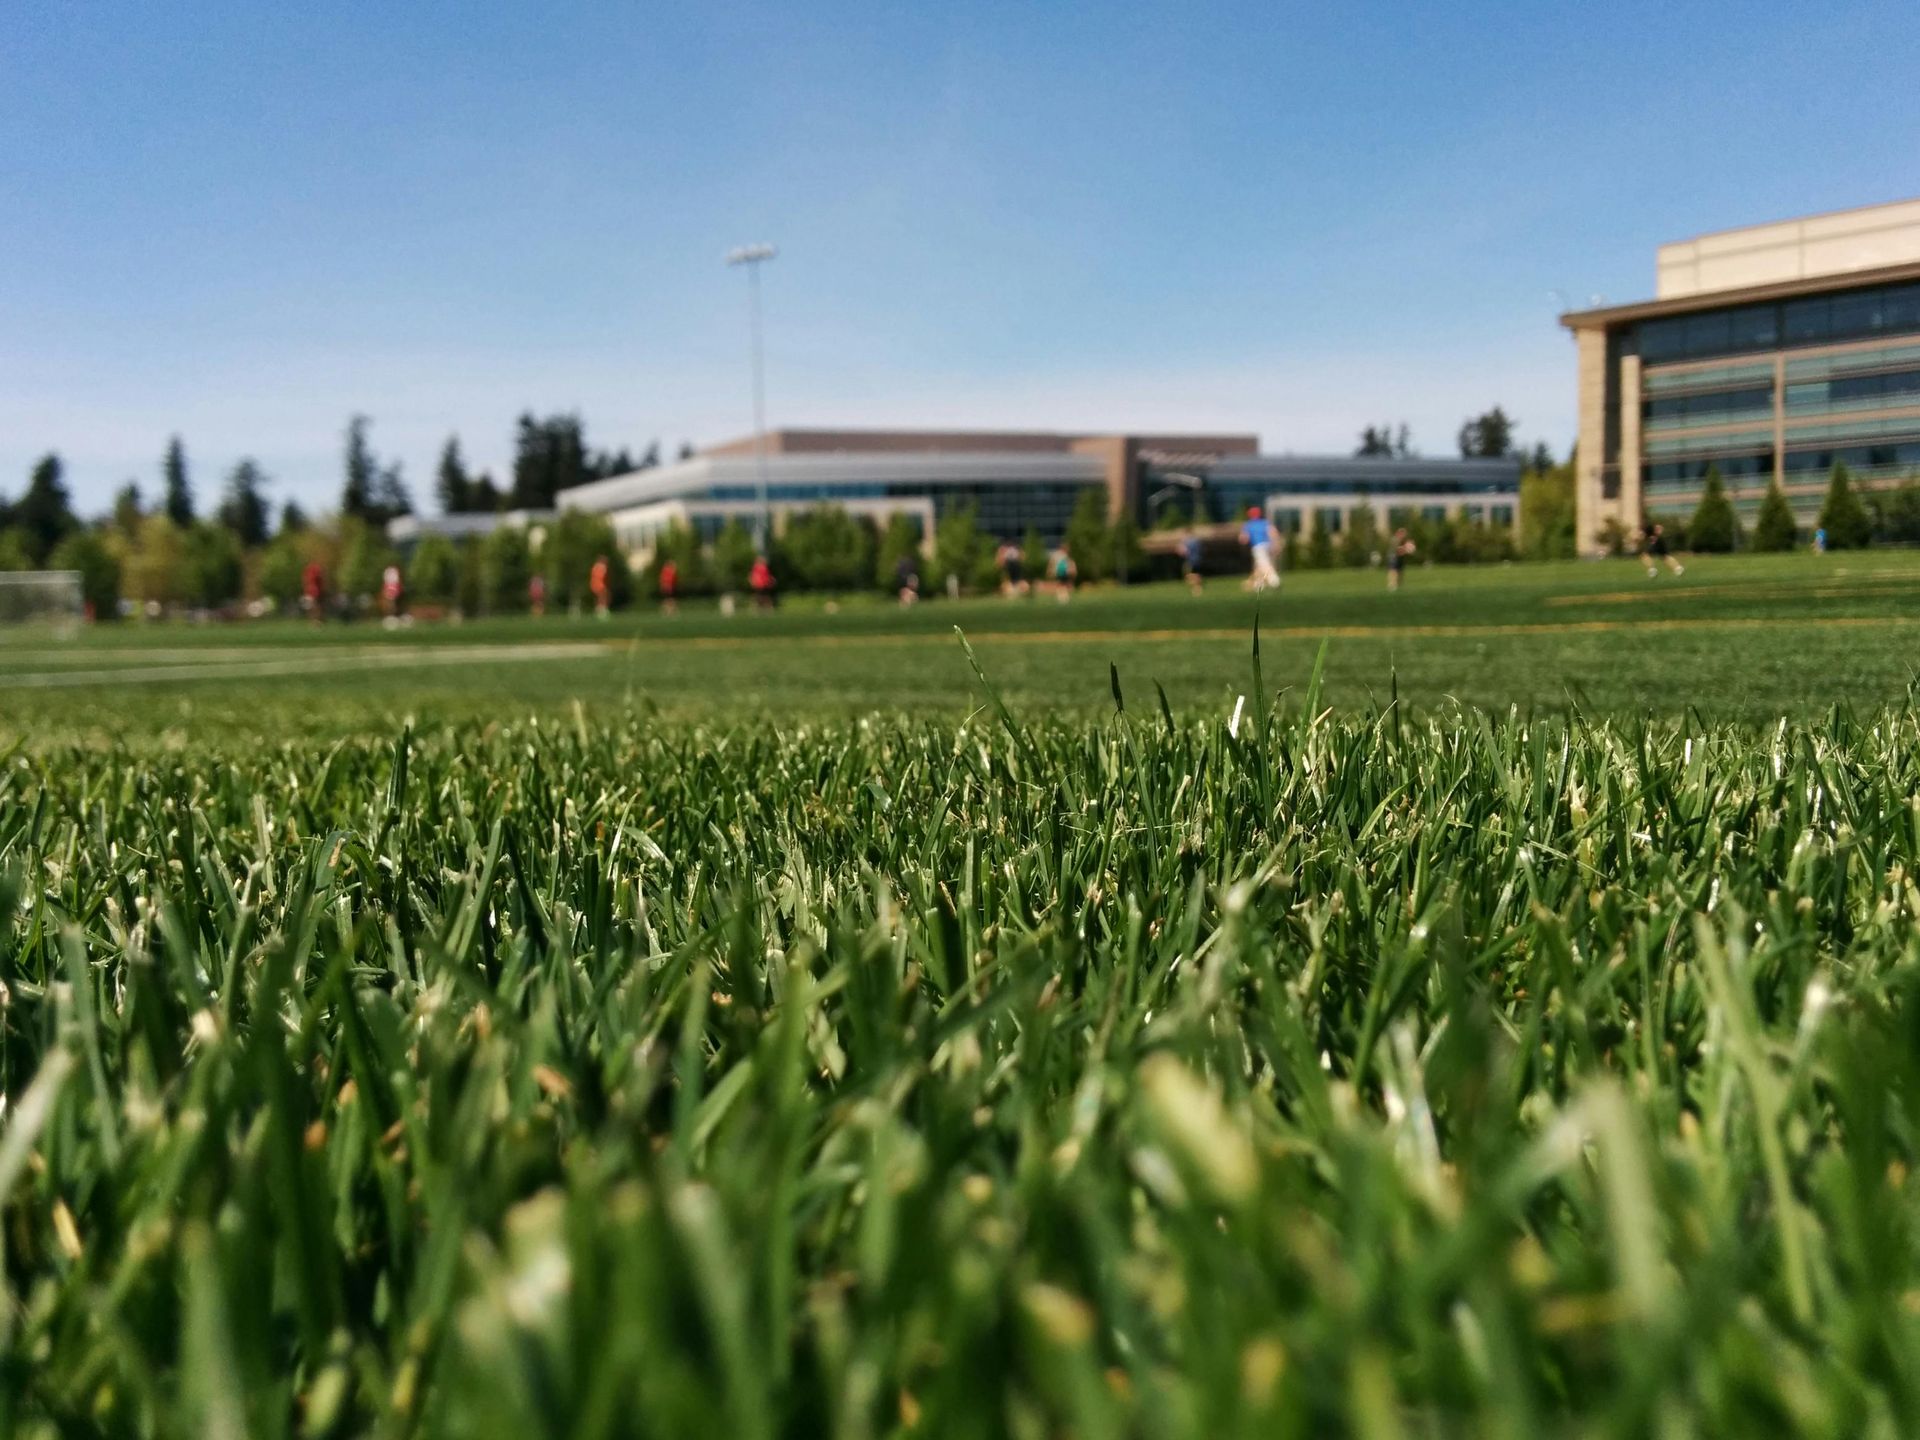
{"x":1025,"y":480}
{"x":1769,"y":353}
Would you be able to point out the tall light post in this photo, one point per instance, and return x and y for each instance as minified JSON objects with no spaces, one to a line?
{"x":752,"y":257}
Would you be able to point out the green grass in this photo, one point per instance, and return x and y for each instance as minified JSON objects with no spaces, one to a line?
{"x":1365,"y":1069}
{"x":1747,"y":638}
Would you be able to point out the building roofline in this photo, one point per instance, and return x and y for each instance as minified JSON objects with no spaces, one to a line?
{"x":1791,"y":220}
{"x":1609,"y":315}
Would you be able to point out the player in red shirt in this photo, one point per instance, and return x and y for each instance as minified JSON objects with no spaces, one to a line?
{"x":313,"y":585}
{"x":597,"y":582}
{"x":669,"y":587}
{"x":760,"y":578}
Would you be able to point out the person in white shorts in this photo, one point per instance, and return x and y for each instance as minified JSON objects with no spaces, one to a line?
{"x":1257,"y":535}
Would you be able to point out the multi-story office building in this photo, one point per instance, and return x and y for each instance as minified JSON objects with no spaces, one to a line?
{"x":1019,"y":481}
{"x":1304,"y":493}
{"x":1769,"y":353}
{"x":1015,"y":481}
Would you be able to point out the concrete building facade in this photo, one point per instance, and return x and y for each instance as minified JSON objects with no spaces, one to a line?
{"x":1768,"y":354}
{"x":1018,"y":481}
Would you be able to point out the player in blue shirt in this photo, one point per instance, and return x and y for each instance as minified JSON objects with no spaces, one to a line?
{"x":1257,"y":535}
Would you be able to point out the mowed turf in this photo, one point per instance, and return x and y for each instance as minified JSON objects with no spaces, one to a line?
{"x":812,"y":1025}
{"x":1745,"y":638}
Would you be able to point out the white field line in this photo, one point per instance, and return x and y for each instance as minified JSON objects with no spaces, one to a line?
{"x":308,"y":664}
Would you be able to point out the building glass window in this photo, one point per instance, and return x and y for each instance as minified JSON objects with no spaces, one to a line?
{"x":1327,"y":520}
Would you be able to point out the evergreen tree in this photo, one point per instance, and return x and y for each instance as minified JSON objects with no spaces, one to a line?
{"x":1773,"y":528}
{"x":1123,"y":543}
{"x":1714,"y":527}
{"x":484,"y":497}
{"x":1842,"y":515}
{"x":452,"y":486}
{"x":127,"y":512}
{"x":292,"y":518}
{"x":1488,"y":436}
{"x":372,"y":491}
{"x":43,"y":516}
{"x":686,"y":450}
{"x":244,"y":509}
{"x":1089,"y":538}
{"x":176,"y":501}
{"x":1547,"y":513}
{"x":549,"y":456}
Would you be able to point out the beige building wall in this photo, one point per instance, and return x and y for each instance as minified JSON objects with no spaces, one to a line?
{"x":1818,"y":246}
{"x":1632,"y":504}
{"x":1591,"y":509}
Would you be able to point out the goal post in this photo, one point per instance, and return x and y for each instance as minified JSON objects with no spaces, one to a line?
{"x":48,"y":599}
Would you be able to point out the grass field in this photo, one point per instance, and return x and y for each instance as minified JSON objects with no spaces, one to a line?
{"x":1749,"y":638}
{"x":650,"y":1041}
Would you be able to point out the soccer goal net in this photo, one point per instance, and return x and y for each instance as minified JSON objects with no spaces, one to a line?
{"x":49,"y":598}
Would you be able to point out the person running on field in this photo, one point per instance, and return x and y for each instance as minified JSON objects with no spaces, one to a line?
{"x":760,"y":581}
{"x":1190,"y":561}
{"x":537,"y":594}
{"x":1257,"y":535}
{"x":1065,"y":572}
{"x":669,"y":587}
{"x":1013,"y":579}
{"x":313,"y":588}
{"x":392,"y":590}
{"x":1657,"y":551}
{"x":599,"y":583}
{"x":1398,"y":549}
{"x":906,"y":578}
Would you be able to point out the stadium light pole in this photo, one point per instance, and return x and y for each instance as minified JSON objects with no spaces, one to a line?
{"x":752,"y":257}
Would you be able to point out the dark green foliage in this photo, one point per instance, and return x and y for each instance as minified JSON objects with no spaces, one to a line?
{"x":176,"y":496}
{"x":573,"y":542}
{"x":825,"y":548}
{"x":1033,"y":555}
{"x":1842,"y":515}
{"x":1127,"y":560}
{"x":900,"y":536}
{"x":1897,"y":514}
{"x":1089,"y":538}
{"x":1714,"y":529}
{"x":505,"y":567}
{"x":211,"y":567}
{"x":373,"y":490}
{"x":243,"y":509}
{"x":127,"y":510}
{"x":731,"y":556}
{"x":88,"y":552}
{"x":433,"y":570}
{"x":453,"y":487}
{"x":1547,"y":513}
{"x":957,"y":546}
{"x":1774,"y":528}
{"x":1488,"y":436}
{"x":1362,"y":538}
{"x":43,"y":515}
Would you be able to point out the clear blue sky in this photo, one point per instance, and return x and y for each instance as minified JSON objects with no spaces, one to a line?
{"x":245,"y":221}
